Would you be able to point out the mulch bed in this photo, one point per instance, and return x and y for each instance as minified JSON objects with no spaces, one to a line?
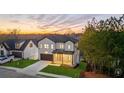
{"x":92,"y":75}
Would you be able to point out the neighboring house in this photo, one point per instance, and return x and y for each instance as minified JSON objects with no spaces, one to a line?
{"x":3,"y":50}
{"x":26,"y":49}
{"x":59,"y":50}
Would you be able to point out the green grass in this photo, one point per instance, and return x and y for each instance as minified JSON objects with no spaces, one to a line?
{"x":20,"y":63}
{"x":67,"y":71}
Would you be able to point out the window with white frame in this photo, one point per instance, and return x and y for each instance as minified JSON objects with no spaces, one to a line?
{"x":30,"y":45}
{"x":69,"y":57}
{"x":1,"y":52}
{"x":61,"y":46}
{"x":69,"y":47}
{"x":1,"y":46}
{"x":51,"y":46}
{"x":17,"y":45}
{"x":46,"y":46}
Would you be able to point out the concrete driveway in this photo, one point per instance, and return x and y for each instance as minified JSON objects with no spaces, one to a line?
{"x":35,"y":68}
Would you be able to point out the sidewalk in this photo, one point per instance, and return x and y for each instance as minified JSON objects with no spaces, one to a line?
{"x":11,"y":68}
{"x":52,"y":75}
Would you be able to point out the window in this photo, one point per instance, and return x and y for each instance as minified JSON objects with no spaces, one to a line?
{"x":69,"y":57}
{"x":51,"y":46}
{"x":30,"y":45}
{"x":17,"y":45}
{"x":59,"y":57}
{"x":2,"y":53}
{"x":69,"y":47}
{"x":1,"y":46}
{"x":40,"y":45}
{"x":46,"y":46}
{"x":61,"y":46}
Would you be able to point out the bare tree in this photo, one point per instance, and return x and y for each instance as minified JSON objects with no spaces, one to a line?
{"x":14,"y":33}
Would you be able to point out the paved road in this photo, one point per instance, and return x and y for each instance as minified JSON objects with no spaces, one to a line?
{"x":6,"y":73}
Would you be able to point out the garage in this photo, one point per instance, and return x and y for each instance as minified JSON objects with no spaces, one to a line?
{"x":17,"y":54}
{"x":48,"y":57}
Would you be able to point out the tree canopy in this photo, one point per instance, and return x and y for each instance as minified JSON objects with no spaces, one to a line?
{"x":102,"y":43}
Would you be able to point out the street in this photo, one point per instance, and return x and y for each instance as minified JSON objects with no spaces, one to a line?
{"x":6,"y":73}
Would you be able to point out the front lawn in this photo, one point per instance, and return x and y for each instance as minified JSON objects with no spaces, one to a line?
{"x":20,"y":63}
{"x":67,"y":71}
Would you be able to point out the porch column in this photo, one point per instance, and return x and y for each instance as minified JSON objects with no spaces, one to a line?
{"x":62,"y":59}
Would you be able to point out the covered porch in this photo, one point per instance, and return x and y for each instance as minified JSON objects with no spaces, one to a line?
{"x":63,"y":57}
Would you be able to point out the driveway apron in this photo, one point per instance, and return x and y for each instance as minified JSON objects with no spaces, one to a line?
{"x":35,"y":68}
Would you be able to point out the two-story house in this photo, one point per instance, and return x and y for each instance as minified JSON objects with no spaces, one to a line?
{"x":26,"y":49}
{"x":59,"y":50}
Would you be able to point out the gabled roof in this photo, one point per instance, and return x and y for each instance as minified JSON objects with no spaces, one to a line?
{"x":60,"y":38}
{"x":2,"y":42}
{"x":35,"y":42}
{"x":10,"y":44}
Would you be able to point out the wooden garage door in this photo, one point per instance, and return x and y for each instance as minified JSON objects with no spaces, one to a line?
{"x":48,"y":57}
{"x":17,"y":54}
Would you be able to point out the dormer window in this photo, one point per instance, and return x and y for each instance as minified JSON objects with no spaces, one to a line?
{"x":30,"y":45}
{"x":17,"y":45}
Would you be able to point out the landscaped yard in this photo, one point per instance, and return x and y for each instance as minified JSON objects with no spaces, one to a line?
{"x":20,"y":63}
{"x":67,"y":71}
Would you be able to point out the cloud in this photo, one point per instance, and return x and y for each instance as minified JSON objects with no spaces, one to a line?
{"x":51,"y":22}
{"x":14,"y":21}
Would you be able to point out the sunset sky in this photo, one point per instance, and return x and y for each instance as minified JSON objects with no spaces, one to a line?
{"x":47,"y":23}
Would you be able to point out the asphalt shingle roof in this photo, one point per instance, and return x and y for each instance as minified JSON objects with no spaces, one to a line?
{"x":11,"y":44}
{"x":61,"y":38}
